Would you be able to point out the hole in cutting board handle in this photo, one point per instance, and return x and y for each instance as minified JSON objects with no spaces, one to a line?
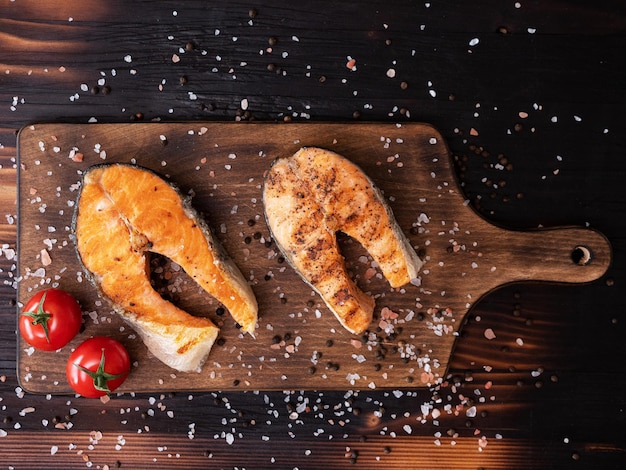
{"x":581,"y":255}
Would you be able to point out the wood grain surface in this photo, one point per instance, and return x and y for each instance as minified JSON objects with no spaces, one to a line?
{"x":299,"y":344}
{"x":527,"y":96}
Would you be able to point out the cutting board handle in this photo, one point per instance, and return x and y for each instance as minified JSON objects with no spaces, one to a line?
{"x":572,"y":255}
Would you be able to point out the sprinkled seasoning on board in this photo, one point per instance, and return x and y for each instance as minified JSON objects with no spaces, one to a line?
{"x":172,"y":285}
{"x":387,"y":338}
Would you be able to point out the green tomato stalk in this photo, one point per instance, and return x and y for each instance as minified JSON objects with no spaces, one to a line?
{"x":100,"y":377}
{"x":40,"y":317}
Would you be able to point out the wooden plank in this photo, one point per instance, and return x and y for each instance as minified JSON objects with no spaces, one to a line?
{"x":299,"y":344}
{"x":140,"y":451}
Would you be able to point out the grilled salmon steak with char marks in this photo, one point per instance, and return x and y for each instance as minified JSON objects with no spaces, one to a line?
{"x":123,"y":212}
{"x":315,"y":193}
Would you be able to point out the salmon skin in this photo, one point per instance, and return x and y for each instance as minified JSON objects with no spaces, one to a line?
{"x":310,"y":196}
{"x":123,"y":212}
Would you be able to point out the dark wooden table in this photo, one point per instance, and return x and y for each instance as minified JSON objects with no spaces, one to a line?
{"x":530,"y":98}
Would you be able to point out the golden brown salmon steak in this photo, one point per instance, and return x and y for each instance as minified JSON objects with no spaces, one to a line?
{"x":315,"y":193}
{"x":123,"y":212}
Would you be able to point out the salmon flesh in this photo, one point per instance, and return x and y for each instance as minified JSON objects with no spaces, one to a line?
{"x":124,"y":212}
{"x":315,"y":193}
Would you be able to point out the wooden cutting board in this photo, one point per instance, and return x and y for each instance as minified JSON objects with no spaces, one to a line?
{"x":299,"y":343}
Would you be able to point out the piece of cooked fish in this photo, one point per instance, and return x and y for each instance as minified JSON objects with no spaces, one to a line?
{"x":122,"y":213}
{"x":315,"y":193}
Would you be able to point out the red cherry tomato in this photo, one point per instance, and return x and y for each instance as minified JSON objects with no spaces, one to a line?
{"x":97,"y":366}
{"x":50,"y":319}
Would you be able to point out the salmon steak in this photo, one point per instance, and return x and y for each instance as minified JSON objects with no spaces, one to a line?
{"x":124,"y":212}
{"x":308,"y":198}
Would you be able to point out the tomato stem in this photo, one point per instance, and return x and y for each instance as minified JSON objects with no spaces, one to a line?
{"x":40,"y":317}
{"x":100,"y":377}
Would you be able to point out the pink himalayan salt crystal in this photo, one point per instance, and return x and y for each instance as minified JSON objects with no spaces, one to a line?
{"x":489,"y":334}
